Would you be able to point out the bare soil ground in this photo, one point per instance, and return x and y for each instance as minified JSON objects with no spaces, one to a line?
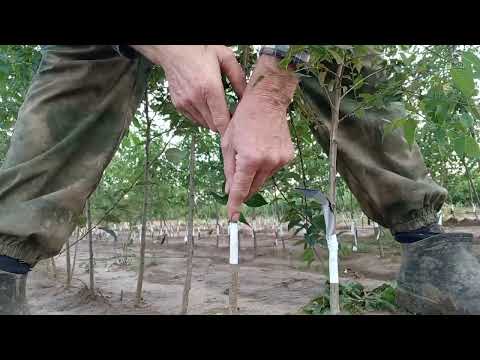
{"x":277,"y":281}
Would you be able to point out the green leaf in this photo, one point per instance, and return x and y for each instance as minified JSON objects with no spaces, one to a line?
{"x":136,"y":123}
{"x":308,"y":255}
{"x":338,"y":58}
{"x":175,"y":155}
{"x":360,"y":113}
{"x":256,"y":200}
{"x":5,"y":69}
{"x":294,"y":222}
{"x":243,"y":220}
{"x":459,"y":146}
{"x":467,"y":120}
{"x":472,"y":149}
{"x":409,"y":129}
{"x":292,"y":175}
{"x":319,"y":222}
{"x":471,"y":58}
{"x":463,"y":80}
{"x":223,"y":200}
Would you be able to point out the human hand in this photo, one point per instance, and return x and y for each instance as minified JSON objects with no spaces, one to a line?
{"x":194,"y":79}
{"x":257,"y":142}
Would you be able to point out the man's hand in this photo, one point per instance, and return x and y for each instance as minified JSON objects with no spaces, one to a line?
{"x":257,"y":142}
{"x":194,"y":78}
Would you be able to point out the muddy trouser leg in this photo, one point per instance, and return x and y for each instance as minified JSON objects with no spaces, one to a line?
{"x":76,"y":112}
{"x":389,"y":180}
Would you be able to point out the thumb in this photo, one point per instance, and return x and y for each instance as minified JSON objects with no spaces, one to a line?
{"x":234,"y":72}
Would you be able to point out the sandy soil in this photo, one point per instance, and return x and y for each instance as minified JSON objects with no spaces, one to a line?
{"x":277,"y":281}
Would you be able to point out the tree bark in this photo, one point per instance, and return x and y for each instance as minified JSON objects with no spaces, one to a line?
{"x":473,"y":191}
{"x":69,"y":268}
{"x":334,"y":288}
{"x":146,"y":194}
{"x":75,"y":254}
{"x":191,"y":206}
{"x":90,"y":248}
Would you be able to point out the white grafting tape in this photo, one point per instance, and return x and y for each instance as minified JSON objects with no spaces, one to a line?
{"x":333,"y":258}
{"x":233,"y":231}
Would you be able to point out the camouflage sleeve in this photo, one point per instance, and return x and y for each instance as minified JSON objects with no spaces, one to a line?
{"x":125,"y":50}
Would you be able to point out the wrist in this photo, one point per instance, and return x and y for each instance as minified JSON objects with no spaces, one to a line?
{"x":273,"y":83}
{"x":155,"y":53}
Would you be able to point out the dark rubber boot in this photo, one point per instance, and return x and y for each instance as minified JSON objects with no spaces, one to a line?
{"x":440,"y":275}
{"x":13,"y":294}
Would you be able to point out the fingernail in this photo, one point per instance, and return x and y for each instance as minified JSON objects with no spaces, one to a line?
{"x":235,"y":217}
{"x":227,"y":188}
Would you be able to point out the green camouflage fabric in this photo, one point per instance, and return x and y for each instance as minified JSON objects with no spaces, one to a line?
{"x":77,"y":110}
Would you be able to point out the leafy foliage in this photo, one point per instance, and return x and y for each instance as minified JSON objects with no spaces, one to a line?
{"x":355,"y":299}
{"x":438,"y":85}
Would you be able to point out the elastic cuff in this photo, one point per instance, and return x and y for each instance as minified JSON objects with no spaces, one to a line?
{"x":13,"y":266}
{"x":14,"y":247}
{"x":419,"y":219}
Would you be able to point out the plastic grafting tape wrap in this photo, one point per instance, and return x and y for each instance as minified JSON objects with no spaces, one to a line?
{"x":233,"y":230}
{"x":333,"y":258}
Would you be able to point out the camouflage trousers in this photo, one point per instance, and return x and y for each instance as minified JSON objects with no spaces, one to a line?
{"x":77,"y":110}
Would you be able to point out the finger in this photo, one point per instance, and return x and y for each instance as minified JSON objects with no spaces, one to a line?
{"x":228,"y":166}
{"x":240,"y":187}
{"x":260,"y":178}
{"x":233,"y":71}
{"x":217,"y":106}
{"x":203,"y":109}
{"x":195,"y":116}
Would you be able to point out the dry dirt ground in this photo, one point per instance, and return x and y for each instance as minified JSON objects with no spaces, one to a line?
{"x":277,"y":281}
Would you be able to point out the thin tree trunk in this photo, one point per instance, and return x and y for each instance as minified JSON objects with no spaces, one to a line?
{"x":146,"y":194}
{"x":54,"y":268}
{"x":90,"y":248}
{"x":217,"y":225}
{"x":378,"y":235}
{"x":473,"y":191}
{"x":75,"y":254}
{"x":334,"y":287}
{"x":69,"y":268}
{"x":254,"y":233}
{"x":191,"y":205}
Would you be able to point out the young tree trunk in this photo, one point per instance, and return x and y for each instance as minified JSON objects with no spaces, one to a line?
{"x":378,"y":235}
{"x":54,"y":268}
{"x":254,"y":233}
{"x":333,"y":262}
{"x":75,"y":254}
{"x":473,"y":191}
{"x":69,"y":268}
{"x":217,"y":226}
{"x":90,"y":248}
{"x":146,"y":194}
{"x":191,"y":206}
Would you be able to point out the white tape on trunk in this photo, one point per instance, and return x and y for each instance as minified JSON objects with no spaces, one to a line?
{"x":233,"y":231}
{"x":333,"y":258}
